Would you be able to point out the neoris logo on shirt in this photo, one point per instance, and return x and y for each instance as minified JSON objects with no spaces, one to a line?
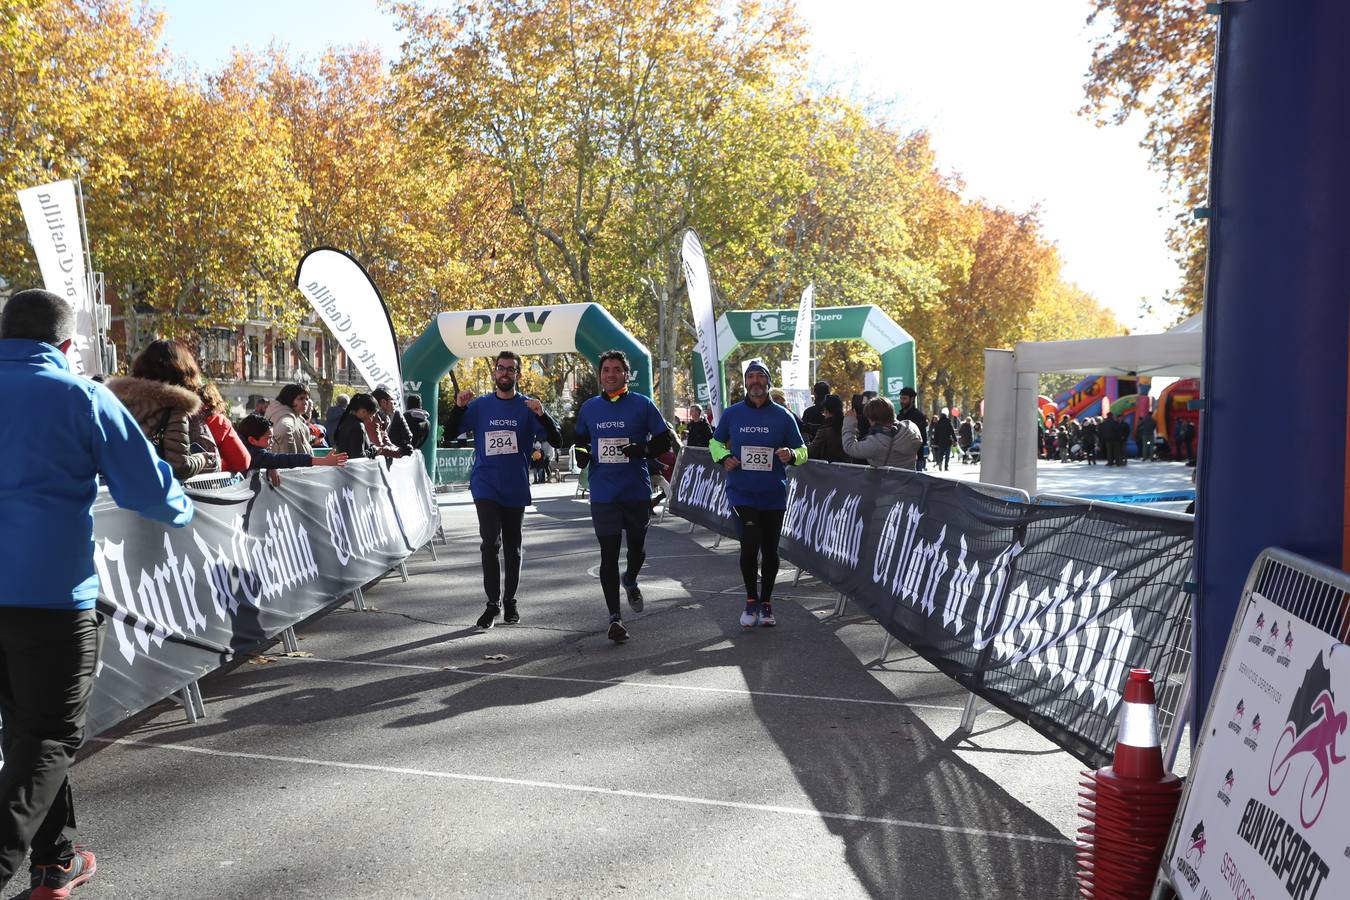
{"x":508,"y":422}
{"x":608,"y":424}
{"x":755,"y":429}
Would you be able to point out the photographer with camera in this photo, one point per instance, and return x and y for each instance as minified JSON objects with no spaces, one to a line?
{"x":889,"y":442}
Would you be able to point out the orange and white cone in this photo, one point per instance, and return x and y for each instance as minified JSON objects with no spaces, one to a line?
{"x":1128,"y":807}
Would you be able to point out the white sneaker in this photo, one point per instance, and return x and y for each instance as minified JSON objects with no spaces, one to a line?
{"x":750,"y":618}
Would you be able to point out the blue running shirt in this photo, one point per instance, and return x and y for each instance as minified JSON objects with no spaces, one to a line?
{"x":503,"y":438}
{"x":605,"y":426}
{"x":753,"y":435}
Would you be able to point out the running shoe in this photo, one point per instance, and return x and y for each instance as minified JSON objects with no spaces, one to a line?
{"x":750,"y":618}
{"x":617,"y":633}
{"x":55,"y":882}
{"x":634,"y":594}
{"x":488,"y":617}
{"x":766,"y":618}
{"x":510,"y":616}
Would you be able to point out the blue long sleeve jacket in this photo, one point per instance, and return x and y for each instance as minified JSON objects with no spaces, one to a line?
{"x":60,"y":433}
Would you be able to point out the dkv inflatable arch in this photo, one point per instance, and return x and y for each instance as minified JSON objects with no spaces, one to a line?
{"x":585,"y":328}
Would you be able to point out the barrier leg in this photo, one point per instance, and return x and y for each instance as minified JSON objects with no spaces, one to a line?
{"x":798,"y":577}
{"x":691,"y":528}
{"x":288,"y":641}
{"x":440,"y":535}
{"x":969,"y":714}
{"x":717,"y":543}
{"x":189,"y":703}
{"x":403,"y":570}
{"x":431,"y":545}
{"x":1179,"y":721}
{"x":195,"y":692}
{"x":358,"y":600}
{"x":840,"y":604}
{"x":886,"y":646}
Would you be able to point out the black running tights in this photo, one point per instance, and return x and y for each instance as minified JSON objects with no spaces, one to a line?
{"x":499,"y":526}
{"x":609,"y":563}
{"x":760,"y":529}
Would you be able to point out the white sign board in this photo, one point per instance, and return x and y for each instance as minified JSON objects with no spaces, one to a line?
{"x":527,"y":330}
{"x":699,"y":285}
{"x":52,"y":213}
{"x":1267,"y":807}
{"x":354,"y":312}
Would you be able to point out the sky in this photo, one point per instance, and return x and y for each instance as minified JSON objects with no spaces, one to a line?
{"x":998,"y":85}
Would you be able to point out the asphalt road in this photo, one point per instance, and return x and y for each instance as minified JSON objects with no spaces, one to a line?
{"x":406,"y":755}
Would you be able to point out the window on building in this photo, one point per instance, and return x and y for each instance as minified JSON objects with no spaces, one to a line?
{"x":216,"y":354}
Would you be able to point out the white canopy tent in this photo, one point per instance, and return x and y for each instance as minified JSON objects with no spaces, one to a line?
{"x":1012,"y":383}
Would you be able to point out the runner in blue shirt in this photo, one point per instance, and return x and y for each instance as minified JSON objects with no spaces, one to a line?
{"x":619,"y":432}
{"x":755,"y":441}
{"x":504,"y":425}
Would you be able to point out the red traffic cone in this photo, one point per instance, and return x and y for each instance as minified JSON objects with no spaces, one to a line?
{"x":1129,"y":806}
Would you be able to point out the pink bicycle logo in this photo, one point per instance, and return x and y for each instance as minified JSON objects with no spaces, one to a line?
{"x":1308,"y":744}
{"x":1197,"y":844}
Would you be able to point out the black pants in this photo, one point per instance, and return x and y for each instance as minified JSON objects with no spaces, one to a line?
{"x":942,"y":456}
{"x":47,"y":660}
{"x":613,"y":523}
{"x":500,"y":525}
{"x":760,"y":529}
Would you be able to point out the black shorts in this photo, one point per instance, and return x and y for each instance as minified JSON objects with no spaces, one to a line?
{"x":615,"y":518}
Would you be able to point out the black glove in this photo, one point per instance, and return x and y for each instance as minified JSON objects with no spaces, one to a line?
{"x":635,"y":451}
{"x":583,"y":457}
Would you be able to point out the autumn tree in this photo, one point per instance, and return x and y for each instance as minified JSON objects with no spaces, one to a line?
{"x":203,"y":229}
{"x":65,"y":69}
{"x":430,"y":234}
{"x":1157,"y":61}
{"x":602,"y":119}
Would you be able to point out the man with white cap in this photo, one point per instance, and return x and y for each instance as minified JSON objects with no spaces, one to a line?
{"x":755,"y":441}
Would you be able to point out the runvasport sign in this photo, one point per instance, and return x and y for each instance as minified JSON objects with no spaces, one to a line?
{"x":1267,"y":808}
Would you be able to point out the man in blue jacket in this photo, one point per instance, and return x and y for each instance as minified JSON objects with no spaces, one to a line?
{"x":505,"y":425}
{"x":617,"y":432}
{"x":755,"y":441}
{"x":49,"y":630}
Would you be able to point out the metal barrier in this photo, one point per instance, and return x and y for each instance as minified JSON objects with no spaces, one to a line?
{"x":1173,"y":675}
{"x":213,"y":481}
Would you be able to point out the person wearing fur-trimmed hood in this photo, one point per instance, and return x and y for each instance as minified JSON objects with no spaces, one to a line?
{"x":161,"y":393}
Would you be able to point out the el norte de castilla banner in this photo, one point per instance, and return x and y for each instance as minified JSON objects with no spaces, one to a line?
{"x":255,"y":560}
{"x":1041,"y":610}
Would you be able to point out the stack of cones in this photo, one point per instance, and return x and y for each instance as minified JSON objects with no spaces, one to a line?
{"x":1127,"y":807}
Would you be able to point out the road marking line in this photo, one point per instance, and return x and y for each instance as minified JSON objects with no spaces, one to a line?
{"x":475,"y":673}
{"x":589,"y":789}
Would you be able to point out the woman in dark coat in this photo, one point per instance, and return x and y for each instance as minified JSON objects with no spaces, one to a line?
{"x":351,"y":437}
{"x":828,"y":444}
